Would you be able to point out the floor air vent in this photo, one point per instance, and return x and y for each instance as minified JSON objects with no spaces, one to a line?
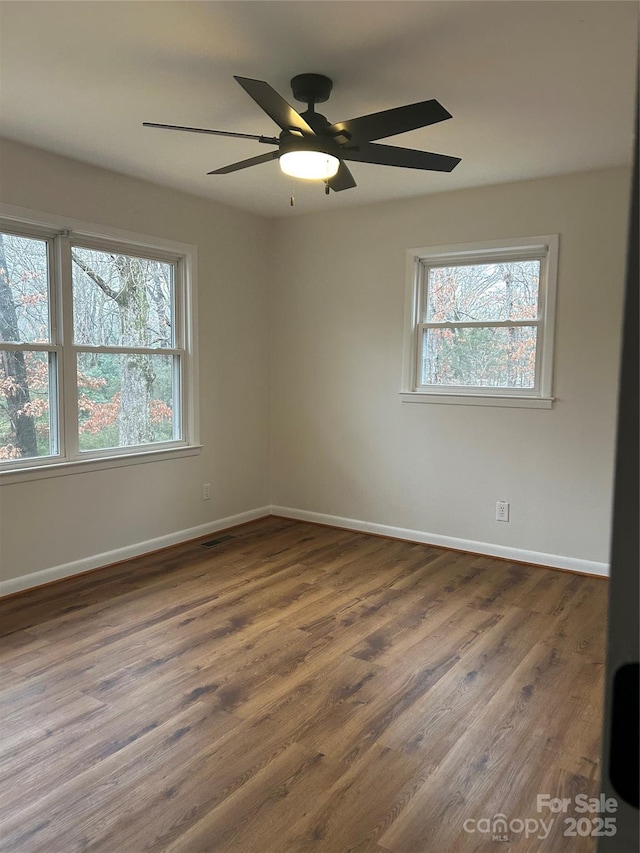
{"x":212,"y":542}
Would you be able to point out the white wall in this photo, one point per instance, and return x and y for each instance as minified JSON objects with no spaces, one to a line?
{"x":343,"y":445}
{"x":309,"y":419}
{"x":88,"y":519}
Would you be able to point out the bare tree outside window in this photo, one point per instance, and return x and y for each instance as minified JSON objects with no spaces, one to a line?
{"x":123,"y":303}
{"x":480,"y":325}
{"x":24,"y":370}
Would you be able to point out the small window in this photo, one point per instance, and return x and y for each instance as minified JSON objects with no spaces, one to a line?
{"x":479,"y":324}
{"x":97,"y":348}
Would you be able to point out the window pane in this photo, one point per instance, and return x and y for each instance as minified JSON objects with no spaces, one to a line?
{"x":120,"y":300}
{"x":495,"y":291}
{"x":480,"y":357}
{"x":125,"y":400}
{"x":25,"y":417}
{"x":24,"y":289}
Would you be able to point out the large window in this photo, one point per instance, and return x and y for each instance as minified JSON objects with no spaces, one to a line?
{"x":96,"y":348}
{"x":480,"y":323}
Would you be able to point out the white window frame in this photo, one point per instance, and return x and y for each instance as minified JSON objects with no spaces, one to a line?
{"x":544,"y":248}
{"x":61,"y":233}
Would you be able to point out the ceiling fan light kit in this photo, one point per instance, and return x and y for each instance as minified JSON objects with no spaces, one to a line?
{"x":309,"y":158}
{"x":309,"y":165}
{"x":311,"y":148}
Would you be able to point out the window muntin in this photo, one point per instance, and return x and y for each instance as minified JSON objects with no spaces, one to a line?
{"x":480,"y":322}
{"x":124,"y":362}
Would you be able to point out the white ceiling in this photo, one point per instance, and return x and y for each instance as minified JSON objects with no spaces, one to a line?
{"x":535,"y":88}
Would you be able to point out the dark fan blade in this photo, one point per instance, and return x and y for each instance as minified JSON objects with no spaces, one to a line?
{"x":408,"y":158}
{"x":391,"y":122}
{"x":274,"y":105}
{"x":342,"y":180}
{"x":271,"y":140}
{"x":244,"y":164}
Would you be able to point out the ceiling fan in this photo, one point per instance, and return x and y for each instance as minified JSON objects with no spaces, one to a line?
{"x":310,"y":147}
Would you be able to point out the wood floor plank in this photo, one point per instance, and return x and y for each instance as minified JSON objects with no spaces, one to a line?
{"x":297,"y":688}
{"x":255,"y":816}
{"x":491,"y":762}
{"x":439,"y":721}
{"x":357,"y":812}
{"x":405,"y":686}
{"x":69,"y":816}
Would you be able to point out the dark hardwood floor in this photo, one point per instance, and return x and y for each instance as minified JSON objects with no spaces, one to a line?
{"x":299,"y":688}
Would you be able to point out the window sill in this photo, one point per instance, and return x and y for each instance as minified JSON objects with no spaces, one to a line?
{"x":507,"y":401}
{"x":86,"y":466}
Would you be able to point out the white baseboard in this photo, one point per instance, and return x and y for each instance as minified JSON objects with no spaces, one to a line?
{"x":8,"y":587}
{"x":520,"y":555}
{"x":97,"y":561}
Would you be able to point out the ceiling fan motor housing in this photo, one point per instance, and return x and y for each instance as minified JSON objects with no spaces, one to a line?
{"x":324,"y":144}
{"x":311,"y":88}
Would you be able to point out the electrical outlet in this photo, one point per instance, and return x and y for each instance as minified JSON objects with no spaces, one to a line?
{"x":206,"y":491}
{"x":502,"y":511}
